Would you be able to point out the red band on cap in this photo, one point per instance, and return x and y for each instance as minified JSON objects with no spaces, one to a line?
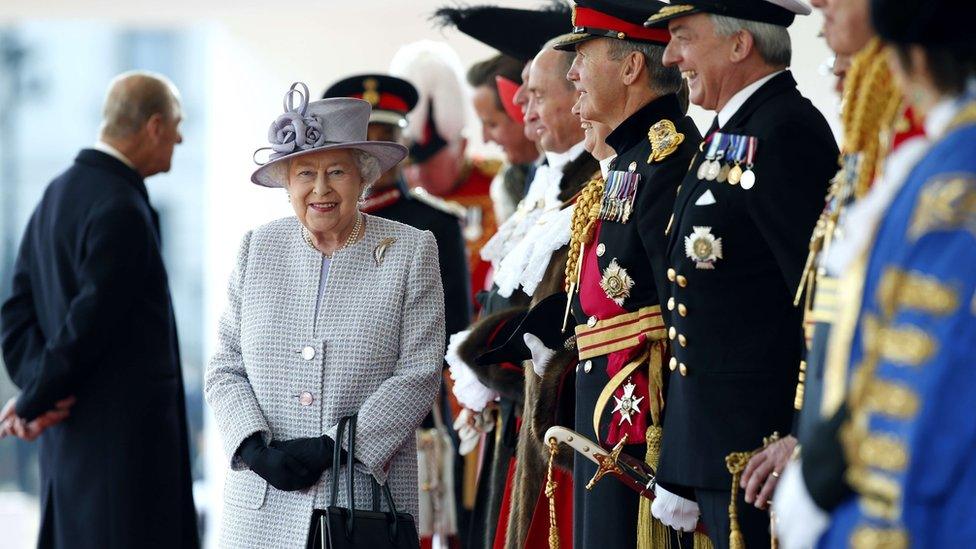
{"x":588,"y":17}
{"x":388,"y":102}
{"x":506,"y":92}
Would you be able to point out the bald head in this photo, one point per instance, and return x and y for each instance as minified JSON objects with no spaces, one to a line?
{"x":141,"y":120}
{"x":133,"y":98}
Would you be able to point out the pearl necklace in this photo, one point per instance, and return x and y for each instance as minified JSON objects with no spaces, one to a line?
{"x":353,"y":236}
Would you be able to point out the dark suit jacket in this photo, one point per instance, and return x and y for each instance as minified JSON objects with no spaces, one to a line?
{"x":90,"y":315}
{"x":742,"y":335}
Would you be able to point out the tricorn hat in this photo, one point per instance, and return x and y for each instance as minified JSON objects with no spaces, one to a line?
{"x":775,"y":12}
{"x":543,"y":321}
{"x":519,"y":33}
{"x":927,"y":23}
{"x":327,"y":124}
{"x":391,"y":97}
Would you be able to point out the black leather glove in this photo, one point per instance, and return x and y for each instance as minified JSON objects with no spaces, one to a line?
{"x":280,"y":469}
{"x":315,"y":453}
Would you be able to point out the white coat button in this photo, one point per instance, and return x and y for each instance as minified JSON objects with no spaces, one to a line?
{"x":591,"y":322}
{"x":601,"y":249}
{"x":587,"y":366}
{"x":308,"y":353}
{"x":306,"y":398}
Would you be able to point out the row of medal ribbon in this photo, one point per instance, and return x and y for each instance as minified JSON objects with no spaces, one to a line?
{"x":730,"y":160}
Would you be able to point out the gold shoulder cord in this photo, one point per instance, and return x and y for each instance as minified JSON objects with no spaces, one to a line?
{"x":584,"y":217}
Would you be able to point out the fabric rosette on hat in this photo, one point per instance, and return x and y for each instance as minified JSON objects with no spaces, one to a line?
{"x":316,"y":126}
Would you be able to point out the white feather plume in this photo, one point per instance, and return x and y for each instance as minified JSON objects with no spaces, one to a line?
{"x":436,"y":71}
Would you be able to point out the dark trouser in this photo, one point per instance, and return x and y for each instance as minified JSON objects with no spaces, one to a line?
{"x":753,"y":523}
{"x":605,"y":516}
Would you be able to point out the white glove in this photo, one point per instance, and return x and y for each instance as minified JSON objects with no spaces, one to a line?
{"x":468,"y":390}
{"x":541,"y":355}
{"x":674,"y":511}
{"x":470,"y":426}
{"x":799,"y":521}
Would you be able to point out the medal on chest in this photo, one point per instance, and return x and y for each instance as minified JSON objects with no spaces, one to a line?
{"x":616,"y":283}
{"x":730,"y":159}
{"x":619,"y":193}
{"x":703,"y":248}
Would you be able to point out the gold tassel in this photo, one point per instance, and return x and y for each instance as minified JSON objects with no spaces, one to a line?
{"x":701,"y":541}
{"x":551,"y":496}
{"x":651,"y":533}
{"x":736,"y":463}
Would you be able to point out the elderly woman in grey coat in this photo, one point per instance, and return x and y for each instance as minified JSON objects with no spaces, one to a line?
{"x":330,"y":312}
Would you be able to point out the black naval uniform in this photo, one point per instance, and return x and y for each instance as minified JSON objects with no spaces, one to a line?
{"x":737,"y":338}
{"x":606,"y":516}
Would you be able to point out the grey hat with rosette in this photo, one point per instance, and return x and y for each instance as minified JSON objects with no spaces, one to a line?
{"x":316,"y":126}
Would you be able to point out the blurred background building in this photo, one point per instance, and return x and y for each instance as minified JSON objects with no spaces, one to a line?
{"x":232,"y":62}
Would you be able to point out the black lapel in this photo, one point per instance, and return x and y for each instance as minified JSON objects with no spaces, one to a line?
{"x":690,"y":181}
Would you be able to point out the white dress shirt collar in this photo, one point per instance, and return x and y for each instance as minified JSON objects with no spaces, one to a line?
{"x":558,"y":161}
{"x":113,"y":152}
{"x":605,"y":165}
{"x":740,"y":98}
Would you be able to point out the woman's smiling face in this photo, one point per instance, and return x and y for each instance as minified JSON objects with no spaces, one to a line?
{"x":324,"y":189}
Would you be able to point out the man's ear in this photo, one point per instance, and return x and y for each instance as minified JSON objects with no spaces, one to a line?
{"x":633,"y":68}
{"x":742,"y":46}
{"x":154,"y":127}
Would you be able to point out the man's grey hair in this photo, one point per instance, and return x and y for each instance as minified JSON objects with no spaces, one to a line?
{"x":565,"y":58}
{"x":662,"y":80}
{"x":133,"y":98}
{"x":772,"y":41}
{"x":367,"y":164}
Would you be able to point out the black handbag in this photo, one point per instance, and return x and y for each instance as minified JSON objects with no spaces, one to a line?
{"x":350,"y":528}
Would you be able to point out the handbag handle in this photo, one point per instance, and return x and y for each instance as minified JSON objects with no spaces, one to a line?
{"x":350,"y":460}
{"x":336,"y":456}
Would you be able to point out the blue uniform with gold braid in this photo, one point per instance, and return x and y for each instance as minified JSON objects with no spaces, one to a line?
{"x":911,"y":436}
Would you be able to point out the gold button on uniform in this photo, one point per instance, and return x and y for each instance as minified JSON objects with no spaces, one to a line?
{"x":600,"y":249}
{"x":672,"y":332}
{"x":673,"y":364}
{"x":591,"y":322}
{"x":671,"y":274}
{"x":683,"y":370}
{"x":587,"y":366}
{"x":682,"y":281}
{"x":682,"y":340}
{"x":671,"y":304}
{"x":682,"y":310}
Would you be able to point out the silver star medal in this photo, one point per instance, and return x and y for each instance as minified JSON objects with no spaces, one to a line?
{"x":628,"y":406}
{"x":703,"y":248}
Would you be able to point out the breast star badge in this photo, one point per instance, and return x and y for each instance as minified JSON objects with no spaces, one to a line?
{"x":616,"y":283}
{"x":703,"y":248}
{"x":628,"y":406}
{"x":664,"y":138}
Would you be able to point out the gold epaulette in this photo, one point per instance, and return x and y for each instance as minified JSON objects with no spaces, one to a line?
{"x":487,"y":166}
{"x":446,"y":206}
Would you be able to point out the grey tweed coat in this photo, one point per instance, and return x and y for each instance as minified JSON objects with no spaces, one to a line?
{"x":378,"y":344}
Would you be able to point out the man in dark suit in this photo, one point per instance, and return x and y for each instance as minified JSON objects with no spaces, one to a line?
{"x":737,"y":246}
{"x":90,"y":321}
